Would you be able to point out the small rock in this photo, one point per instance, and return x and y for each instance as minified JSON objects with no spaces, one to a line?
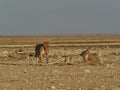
{"x":52,"y":87}
{"x":68,"y":88}
{"x":87,"y":71}
{"x":108,"y":65}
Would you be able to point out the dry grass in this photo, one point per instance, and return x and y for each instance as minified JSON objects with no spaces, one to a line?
{"x":66,"y":70}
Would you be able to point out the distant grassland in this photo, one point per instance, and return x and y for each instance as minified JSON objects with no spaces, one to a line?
{"x":68,"y":40}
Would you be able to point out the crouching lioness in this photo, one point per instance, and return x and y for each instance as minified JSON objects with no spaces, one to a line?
{"x":90,"y":58}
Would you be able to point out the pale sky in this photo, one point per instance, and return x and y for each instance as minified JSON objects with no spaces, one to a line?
{"x":46,"y":17}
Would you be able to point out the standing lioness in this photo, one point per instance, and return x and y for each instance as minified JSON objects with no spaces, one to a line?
{"x":90,"y":58}
{"x":42,"y":50}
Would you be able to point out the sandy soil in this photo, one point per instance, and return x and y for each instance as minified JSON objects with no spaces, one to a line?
{"x":20,"y":72}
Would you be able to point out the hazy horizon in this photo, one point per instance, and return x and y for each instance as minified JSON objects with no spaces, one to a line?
{"x":58,"y":17}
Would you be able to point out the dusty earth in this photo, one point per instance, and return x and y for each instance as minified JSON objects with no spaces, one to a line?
{"x":66,"y":69}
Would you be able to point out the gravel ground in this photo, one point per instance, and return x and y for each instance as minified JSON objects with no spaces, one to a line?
{"x":23,"y":74}
{"x":18,"y":71}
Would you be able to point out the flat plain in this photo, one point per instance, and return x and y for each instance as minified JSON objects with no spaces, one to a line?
{"x":66,"y":69}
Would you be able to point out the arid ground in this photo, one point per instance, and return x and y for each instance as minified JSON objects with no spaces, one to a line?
{"x":66,"y":69}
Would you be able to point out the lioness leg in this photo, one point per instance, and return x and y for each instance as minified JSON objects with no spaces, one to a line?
{"x":40,"y":59}
{"x":37,"y":60}
{"x":47,"y":58}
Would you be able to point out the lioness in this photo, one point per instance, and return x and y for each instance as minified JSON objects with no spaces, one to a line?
{"x":42,"y":50}
{"x":90,"y":58}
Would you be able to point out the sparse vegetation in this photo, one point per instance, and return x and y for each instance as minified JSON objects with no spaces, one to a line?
{"x":66,"y":69}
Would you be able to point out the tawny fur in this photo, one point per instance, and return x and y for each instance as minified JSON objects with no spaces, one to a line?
{"x":42,"y":50}
{"x":89,"y":58}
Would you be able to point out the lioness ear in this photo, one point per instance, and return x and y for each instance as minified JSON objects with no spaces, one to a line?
{"x":87,"y":50}
{"x":81,"y":54}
